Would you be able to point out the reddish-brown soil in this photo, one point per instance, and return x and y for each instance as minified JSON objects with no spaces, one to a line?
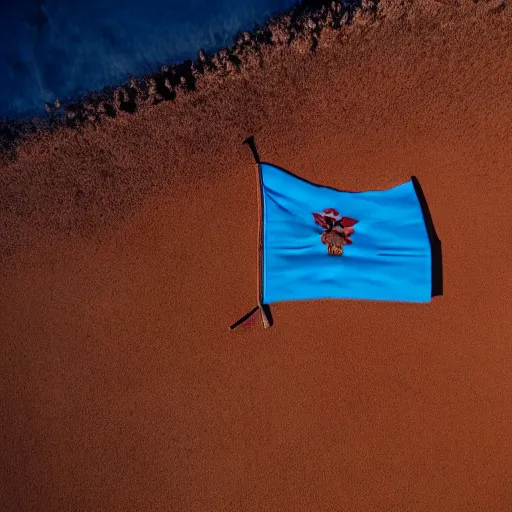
{"x":128,"y":250}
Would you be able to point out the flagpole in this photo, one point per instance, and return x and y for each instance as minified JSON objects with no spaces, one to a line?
{"x":250,"y":142}
{"x":264,"y":318}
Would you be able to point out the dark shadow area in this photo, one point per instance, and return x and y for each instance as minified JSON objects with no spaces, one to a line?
{"x":266,"y":309}
{"x":8,"y":137}
{"x":183,"y":74}
{"x":235,"y":60}
{"x":110,"y":111}
{"x":244,"y":318}
{"x":250,"y":142}
{"x":435,"y":243}
{"x":128,"y":97}
{"x":127,"y":100}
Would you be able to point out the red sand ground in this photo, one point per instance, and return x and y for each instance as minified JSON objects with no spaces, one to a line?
{"x":127,"y":251}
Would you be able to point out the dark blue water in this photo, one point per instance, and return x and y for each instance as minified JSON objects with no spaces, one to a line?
{"x":53,"y":49}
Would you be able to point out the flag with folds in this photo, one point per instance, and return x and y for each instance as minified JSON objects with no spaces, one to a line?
{"x":319,"y":243}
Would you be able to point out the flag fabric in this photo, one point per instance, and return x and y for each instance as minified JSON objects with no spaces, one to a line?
{"x":321,"y":243}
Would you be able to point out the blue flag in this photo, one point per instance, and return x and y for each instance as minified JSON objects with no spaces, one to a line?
{"x":319,"y":243}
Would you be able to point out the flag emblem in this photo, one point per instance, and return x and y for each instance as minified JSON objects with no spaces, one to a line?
{"x":337,"y":230}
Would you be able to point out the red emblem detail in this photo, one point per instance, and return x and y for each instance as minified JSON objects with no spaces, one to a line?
{"x":337,"y":230}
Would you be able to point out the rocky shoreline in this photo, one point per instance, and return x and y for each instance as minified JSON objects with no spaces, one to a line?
{"x":303,"y":24}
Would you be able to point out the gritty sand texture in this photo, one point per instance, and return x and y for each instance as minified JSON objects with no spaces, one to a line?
{"x":128,"y":249}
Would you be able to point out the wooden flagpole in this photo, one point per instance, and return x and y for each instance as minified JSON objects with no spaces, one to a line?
{"x":266,"y":324}
{"x":250,"y":142}
{"x":264,"y":319}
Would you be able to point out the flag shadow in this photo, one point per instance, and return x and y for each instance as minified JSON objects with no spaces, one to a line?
{"x":435,"y":242}
{"x":266,"y":310}
{"x":268,"y":313}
